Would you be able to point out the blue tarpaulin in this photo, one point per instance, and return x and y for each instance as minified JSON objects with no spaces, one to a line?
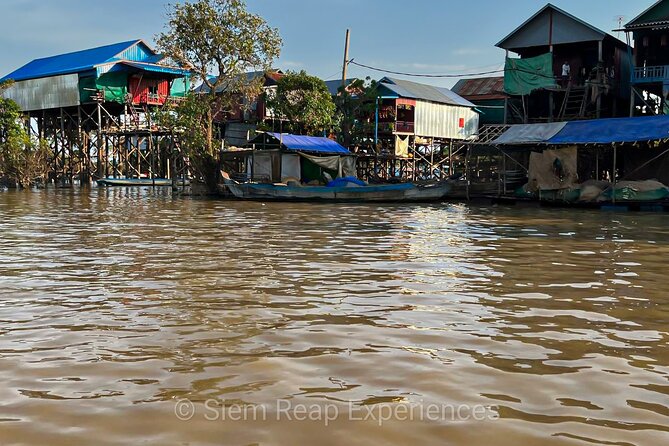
{"x":596,"y":131}
{"x":346,"y":181}
{"x":309,"y":143}
{"x":616,"y":130}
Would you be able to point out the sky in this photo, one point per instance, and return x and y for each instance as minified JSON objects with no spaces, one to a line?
{"x":415,"y":36}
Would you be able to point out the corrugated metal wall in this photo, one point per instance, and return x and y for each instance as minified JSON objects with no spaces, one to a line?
{"x":443,"y":121}
{"x":45,"y":93}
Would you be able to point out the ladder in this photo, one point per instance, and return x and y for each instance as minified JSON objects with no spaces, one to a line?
{"x":574,"y":104}
{"x":135,"y":113}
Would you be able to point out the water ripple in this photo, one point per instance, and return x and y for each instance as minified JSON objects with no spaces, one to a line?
{"x":115,"y":303}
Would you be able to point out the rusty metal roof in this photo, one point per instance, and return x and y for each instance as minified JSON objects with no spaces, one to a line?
{"x":414,"y":90}
{"x":480,"y":88}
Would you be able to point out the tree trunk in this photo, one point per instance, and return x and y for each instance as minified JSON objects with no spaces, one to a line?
{"x":210,"y":132}
{"x":346,"y":131}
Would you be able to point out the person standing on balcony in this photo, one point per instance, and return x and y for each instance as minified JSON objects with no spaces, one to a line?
{"x":566,"y":73}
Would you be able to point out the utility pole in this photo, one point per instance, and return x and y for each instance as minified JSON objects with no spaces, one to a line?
{"x":345,"y":66}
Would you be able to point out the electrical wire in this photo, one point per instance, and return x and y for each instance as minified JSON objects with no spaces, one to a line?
{"x":400,"y":73}
{"x":445,"y":76}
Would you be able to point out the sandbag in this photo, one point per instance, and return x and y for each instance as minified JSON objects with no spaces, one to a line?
{"x":590,"y":193}
{"x":591,"y":190}
{"x":647,"y":190}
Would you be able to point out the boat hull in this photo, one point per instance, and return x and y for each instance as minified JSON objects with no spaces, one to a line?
{"x":405,"y":192}
{"x":129,"y":182}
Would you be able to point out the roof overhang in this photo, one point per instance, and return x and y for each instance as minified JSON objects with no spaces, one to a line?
{"x":642,"y":26}
{"x":630,"y":24}
{"x":155,"y":68}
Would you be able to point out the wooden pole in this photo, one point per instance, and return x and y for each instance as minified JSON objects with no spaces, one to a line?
{"x":430,"y":174}
{"x":99,"y":139}
{"x":469,"y":148}
{"x":551,"y":99}
{"x":613,"y":175}
{"x":139,"y":157}
{"x":504,"y":172}
{"x":376,"y":125}
{"x":525,"y":116}
{"x":253,"y":160}
{"x":345,"y":65}
{"x":600,"y":77}
{"x":632,"y":62}
{"x":632,"y":101}
{"x":172,"y":167}
{"x":450,"y":158}
{"x":62,"y":144}
{"x":152,"y":159}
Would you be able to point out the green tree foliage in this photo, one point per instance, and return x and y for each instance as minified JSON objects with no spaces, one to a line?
{"x":186,"y":118}
{"x":304,"y":101}
{"x":355,"y":112}
{"x":219,"y":40}
{"x":23,"y":162}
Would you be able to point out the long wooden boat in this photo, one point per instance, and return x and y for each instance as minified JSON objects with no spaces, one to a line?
{"x":403,"y":192}
{"x":162,"y":182}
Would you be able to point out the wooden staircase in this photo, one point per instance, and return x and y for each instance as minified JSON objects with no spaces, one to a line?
{"x":490,"y":132}
{"x":135,"y":114}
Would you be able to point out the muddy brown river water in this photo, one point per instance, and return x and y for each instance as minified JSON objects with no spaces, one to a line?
{"x":129,"y":317}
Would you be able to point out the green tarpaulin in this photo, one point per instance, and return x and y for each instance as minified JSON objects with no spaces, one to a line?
{"x":523,"y":76}
{"x":179,"y":87}
{"x":115,"y":86}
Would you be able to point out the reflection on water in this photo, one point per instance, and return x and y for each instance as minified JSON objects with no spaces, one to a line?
{"x":116,"y":303}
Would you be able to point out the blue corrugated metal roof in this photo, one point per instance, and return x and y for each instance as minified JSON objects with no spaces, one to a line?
{"x":79,"y":61}
{"x":309,"y":143}
{"x":414,"y":90}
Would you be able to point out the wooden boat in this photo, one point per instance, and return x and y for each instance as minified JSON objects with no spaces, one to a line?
{"x":161,"y":182}
{"x":402,"y":192}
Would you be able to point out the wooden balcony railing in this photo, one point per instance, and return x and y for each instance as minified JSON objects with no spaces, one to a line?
{"x":404,"y":127}
{"x":658,"y":73}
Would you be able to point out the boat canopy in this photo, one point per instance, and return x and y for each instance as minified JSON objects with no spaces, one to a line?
{"x":314,"y":144}
{"x":596,"y":131}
